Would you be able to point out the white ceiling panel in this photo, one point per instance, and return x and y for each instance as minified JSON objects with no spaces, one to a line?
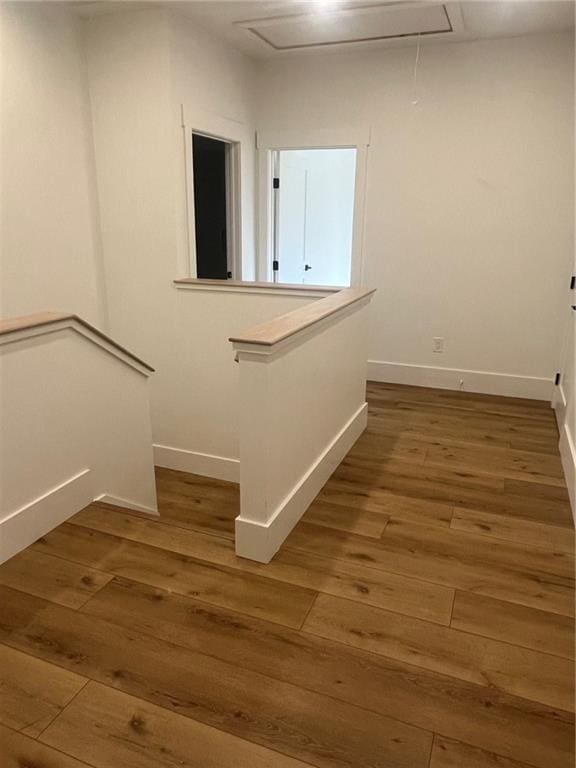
{"x":354,"y":25}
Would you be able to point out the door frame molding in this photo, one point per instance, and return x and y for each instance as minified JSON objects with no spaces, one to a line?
{"x":235,"y":135}
{"x":268,"y":142}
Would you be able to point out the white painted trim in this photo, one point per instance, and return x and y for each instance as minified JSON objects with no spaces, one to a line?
{"x":568,"y":457}
{"x":190,"y":268}
{"x":485,"y":382}
{"x":264,"y":240}
{"x":117,"y":501}
{"x":260,"y":541}
{"x":559,"y":403}
{"x":273,"y":290}
{"x":23,"y":526}
{"x":331,"y":137}
{"x":84,"y":329}
{"x":238,"y":136}
{"x":359,"y":221}
{"x":219,"y":467}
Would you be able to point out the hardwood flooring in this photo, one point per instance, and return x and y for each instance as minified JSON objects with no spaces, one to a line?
{"x":419,"y":616}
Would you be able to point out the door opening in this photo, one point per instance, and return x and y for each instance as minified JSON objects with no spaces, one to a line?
{"x":211,"y":168}
{"x":313,"y":215}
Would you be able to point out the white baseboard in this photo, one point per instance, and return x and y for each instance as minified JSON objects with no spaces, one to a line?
{"x":117,"y":501}
{"x":219,"y":467}
{"x":23,"y":526}
{"x":483,"y":382}
{"x":559,"y":403}
{"x":260,"y":542}
{"x":568,"y":456}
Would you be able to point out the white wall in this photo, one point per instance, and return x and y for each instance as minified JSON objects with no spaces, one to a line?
{"x":469,"y":197}
{"x":49,"y":252}
{"x":83,"y":433}
{"x":142,"y":66}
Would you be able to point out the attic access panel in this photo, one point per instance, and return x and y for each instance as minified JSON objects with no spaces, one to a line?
{"x":351,"y":25}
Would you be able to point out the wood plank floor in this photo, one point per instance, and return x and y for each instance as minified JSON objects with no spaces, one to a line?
{"x":421,"y":615}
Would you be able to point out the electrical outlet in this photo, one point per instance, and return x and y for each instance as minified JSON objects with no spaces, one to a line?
{"x":438,"y":344}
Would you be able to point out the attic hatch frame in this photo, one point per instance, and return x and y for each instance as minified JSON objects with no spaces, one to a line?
{"x":451,"y":10}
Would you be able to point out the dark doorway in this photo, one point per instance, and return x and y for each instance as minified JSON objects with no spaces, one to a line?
{"x":209,"y":162}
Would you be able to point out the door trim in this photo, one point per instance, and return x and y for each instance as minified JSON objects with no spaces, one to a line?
{"x":235,"y":135}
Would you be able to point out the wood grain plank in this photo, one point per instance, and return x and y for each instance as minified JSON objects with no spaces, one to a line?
{"x":519,"y":671}
{"x":51,"y":577}
{"x":215,"y":583}
{"x":384,"y":447}
{"x":534,"y":444}
{"x":447,"y":753}
{"x":202,"y":515}
{"x":469,"y":712}
{"x":415,"y":510}
{"x":529,"y":576}
{"x":358,"y":521}
{"x":499,"y":462}
{"x":346,"y":579}
{"x":554,"y":537}
{"x":522,"y":489}
{"x":439,"y":414}
{"x":20,"y":751}
{"x":32,"y":692}
{"x":420,"y":422}
{"x":110,"y":729}
{"x":373,"y":470}
{"x":497,"y":404}
{"x":266,"y":711}
{"x":210,"y":505}
{"x":445,"y":488}
{"x":516,"y":624}
{"x":191,"y":484}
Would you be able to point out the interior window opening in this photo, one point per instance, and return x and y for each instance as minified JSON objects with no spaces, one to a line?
{"x":313,"y":211}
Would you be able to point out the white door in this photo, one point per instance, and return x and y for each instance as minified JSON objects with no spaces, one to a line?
{"x":291,"y":222}
{"x":315,"y":210}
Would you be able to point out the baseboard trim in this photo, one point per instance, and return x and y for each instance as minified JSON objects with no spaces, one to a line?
{"x":483,"y":382}
{"x":23,"y":526}
{"x":559,"y":403}
{"x":219,"y":467}
{"x":117,"y":501}
{"x":568,"y":457}
{"x":258,"y":541}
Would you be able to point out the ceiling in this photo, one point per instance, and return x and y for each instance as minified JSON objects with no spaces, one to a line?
{"x":273,"y":28}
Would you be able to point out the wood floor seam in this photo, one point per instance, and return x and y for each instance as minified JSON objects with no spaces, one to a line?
{"x":38,"y":736}
{"x":308,"y":611}
{"x":23,"y":763}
